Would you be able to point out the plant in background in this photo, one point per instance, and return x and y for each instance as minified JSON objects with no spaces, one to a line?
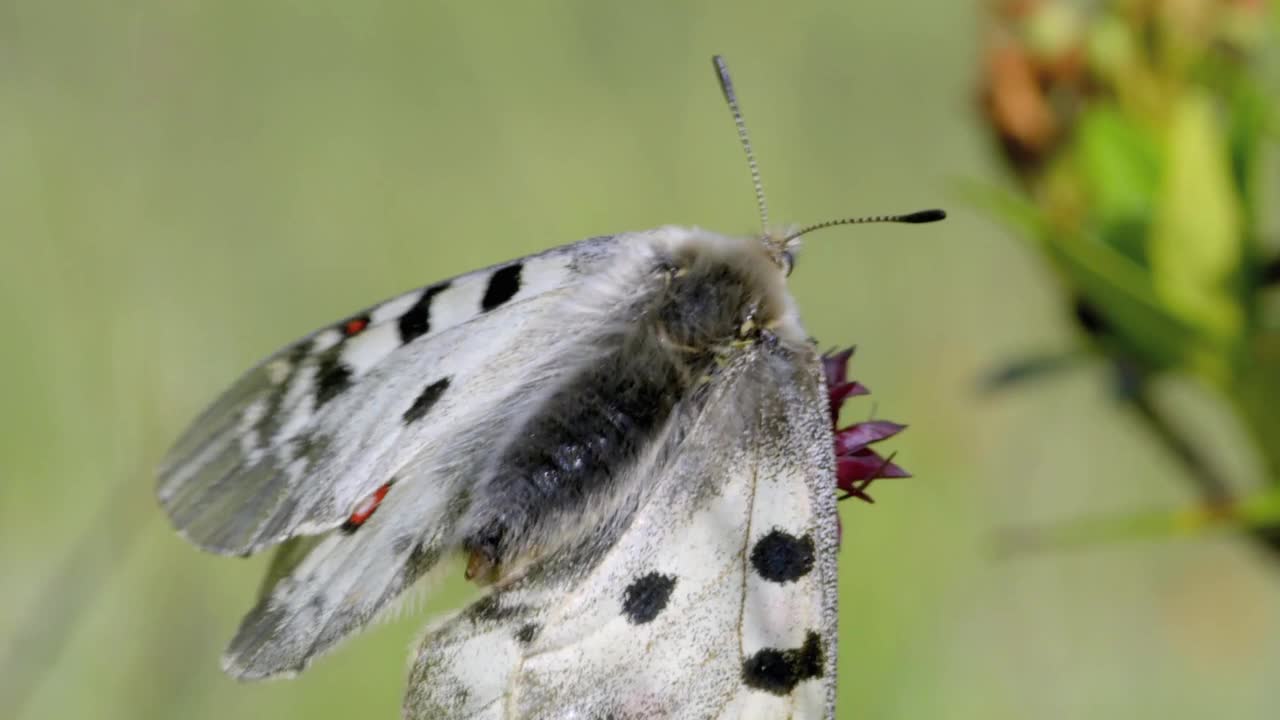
{"x":1137,"y":134}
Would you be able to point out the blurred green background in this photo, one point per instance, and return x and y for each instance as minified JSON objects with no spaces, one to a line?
{"x":185,"y":186}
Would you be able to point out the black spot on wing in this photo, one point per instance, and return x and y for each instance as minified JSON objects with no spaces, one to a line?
{"x":333,"y":378}
{"x":489,"y":609}
{"x":503,"y":285}
{"x":270,"y":421}
{"x":417,"y":320}
{"x":299,"y":352}
{"x":646,"y":597}
{"x":423,"y":558}
{"x":401,"y":545}
{"x":779,"y":671}
{"x":527,"y":633}
{"x":486,"y":608}
{"x":430,"y":396}
{"x":310,"y":445}
{"x":782,"y":557}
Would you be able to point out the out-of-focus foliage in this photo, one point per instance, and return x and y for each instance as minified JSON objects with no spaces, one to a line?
{"x":1138,"y":132}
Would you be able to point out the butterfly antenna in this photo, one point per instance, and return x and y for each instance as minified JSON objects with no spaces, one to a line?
{"x":726,"y":84}
{"x":914,"y":218}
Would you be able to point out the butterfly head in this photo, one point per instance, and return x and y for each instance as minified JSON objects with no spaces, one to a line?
{"x":781,"y":247}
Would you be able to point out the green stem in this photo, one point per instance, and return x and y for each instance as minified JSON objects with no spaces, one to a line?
{"x":1215,"y":492}
{"x":1213,"y":488}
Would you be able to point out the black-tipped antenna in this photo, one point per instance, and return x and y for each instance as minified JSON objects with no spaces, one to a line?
{"x":726,"y":84}
{"x":915,"y":218}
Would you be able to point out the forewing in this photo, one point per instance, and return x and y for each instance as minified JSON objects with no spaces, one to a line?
{"x":717,"y":600}
{"x":299,"y":440}
{"x":444,"y":406}
{"x":323,"y":588}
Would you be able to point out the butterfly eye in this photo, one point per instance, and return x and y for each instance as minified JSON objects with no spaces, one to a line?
{"x":788,"y":262}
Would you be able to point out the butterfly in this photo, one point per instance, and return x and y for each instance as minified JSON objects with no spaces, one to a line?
{"x":628,"y":439}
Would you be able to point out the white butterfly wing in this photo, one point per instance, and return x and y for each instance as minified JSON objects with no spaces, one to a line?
{"x":322,"y":589}
{"x":417,"y":419}
{"x":345,"y":577}
{"x":717,"y":600}
{"x":300,"y":440}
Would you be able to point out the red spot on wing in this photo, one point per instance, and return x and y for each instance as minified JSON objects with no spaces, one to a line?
{"x":366,"y":507}
{"x":355,"y":325}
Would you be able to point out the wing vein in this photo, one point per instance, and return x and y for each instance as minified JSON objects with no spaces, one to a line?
{"x":746,"y":543}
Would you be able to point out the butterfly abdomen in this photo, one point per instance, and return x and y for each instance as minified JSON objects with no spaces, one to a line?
{"x":571,"y":452}
{"x":562,"y":474}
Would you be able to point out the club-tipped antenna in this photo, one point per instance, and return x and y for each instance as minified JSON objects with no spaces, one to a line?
{"x":913,"y":218}
{"x":726,"y":84}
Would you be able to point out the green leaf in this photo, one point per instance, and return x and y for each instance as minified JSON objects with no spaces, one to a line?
{"x":1196,"y":242}
{"x":1251,"y":113}
{"x":1119,"y":166}
{"x":1121,"y":290}
{"x":1114,"y":284}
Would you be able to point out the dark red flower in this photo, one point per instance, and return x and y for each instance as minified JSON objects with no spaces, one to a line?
{"x":857,"y":465}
